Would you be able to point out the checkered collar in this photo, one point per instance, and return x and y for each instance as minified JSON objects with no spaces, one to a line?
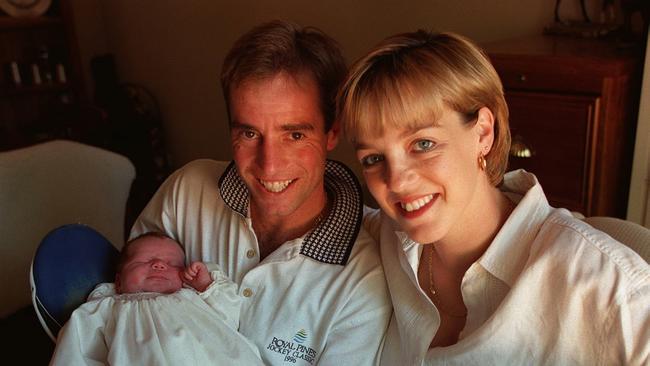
{"x":332,"y":240}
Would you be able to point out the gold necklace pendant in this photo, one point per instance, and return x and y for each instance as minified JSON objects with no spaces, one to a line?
{"x":434,"y":294}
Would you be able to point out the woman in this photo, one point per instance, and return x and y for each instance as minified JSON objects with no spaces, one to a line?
{"x":480,"y":268}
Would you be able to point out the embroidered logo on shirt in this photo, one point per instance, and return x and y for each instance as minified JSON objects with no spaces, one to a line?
{"x":293,"y":351}
{"x":300,"y":336}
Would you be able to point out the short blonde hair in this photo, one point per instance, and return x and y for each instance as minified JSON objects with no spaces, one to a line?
{"x":409,"y":78}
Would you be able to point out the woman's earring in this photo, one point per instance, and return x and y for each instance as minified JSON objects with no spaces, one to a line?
{"x":482,"y":163}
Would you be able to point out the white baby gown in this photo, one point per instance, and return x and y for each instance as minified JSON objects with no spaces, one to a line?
{"x":183,"y":328}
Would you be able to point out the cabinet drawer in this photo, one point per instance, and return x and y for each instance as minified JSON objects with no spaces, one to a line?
{"x":558,"y":130}
{"x":532,"y":75}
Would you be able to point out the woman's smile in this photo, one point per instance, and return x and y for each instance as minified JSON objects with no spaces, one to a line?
{"x":417,"y":207}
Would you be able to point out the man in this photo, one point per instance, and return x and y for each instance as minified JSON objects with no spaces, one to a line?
{"x":282,"y":221}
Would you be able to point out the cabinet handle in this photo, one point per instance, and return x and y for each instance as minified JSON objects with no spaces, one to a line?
{"x":519,"y":148}
{"x":522,"y":78}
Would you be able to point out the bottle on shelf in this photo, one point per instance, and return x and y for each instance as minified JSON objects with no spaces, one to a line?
{"x":44,"y":65}
{"x":36,"y":75}
{"x":60,"y":73}
{"x":15,"y":73}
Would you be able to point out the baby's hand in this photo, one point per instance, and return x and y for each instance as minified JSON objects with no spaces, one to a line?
{"x":197,"y":276}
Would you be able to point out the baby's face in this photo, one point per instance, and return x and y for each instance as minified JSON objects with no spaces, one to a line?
{"x":153,"y":265}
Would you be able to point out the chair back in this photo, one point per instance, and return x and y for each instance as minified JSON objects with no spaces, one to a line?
{"x":68,"y":264}
{"x":629,"y":233}
{"x":49,"y":185}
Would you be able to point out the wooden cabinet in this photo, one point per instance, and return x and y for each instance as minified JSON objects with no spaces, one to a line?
{"x":42,"y":54}
{"x":573,"y":106}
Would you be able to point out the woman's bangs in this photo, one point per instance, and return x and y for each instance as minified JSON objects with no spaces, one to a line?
{"x":391,"y":103}
{"x":416,"y":102}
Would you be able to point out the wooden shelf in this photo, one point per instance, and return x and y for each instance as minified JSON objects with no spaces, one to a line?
{"x":7,"y":22}
{"x":27,"y":110}
{"x":34,"y":89}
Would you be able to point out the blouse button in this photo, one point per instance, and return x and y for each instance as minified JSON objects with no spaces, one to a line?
{"x":247,"y":292}
{"x":250,"y":253}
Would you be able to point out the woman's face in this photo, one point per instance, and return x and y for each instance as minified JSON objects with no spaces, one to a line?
{"x":426,"y":178}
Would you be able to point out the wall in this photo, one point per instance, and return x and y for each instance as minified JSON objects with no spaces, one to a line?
{"x":638,"y":209}
{"x":91,"y":34}
{"x":175,"y":48}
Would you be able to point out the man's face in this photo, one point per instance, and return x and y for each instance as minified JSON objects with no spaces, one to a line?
{"x":280,"y":145}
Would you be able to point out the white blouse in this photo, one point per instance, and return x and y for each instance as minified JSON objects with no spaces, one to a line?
{"x":549,"y":290}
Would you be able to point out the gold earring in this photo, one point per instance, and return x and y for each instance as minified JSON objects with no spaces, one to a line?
{"x":482,"y":163}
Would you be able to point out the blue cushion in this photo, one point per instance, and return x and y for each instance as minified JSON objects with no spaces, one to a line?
{"x":69,"y":262}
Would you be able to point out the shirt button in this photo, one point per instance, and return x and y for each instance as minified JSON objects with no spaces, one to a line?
{"x":250,"y":253}
{"x":247,"y":292}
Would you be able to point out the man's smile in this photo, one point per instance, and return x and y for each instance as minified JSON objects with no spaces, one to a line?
{"x":276,"y":186}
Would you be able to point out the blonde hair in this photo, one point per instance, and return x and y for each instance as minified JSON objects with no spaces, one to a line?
{"x":410,"y":78}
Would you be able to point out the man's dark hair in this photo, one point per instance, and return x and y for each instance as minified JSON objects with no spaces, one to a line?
{"x":280,"y":46}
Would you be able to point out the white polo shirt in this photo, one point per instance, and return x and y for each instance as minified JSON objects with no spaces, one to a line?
{"x":549,"y":290}
{"x":319,"y":299}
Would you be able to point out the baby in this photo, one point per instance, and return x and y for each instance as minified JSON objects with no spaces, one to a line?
{"x":148,"y":317}
{"x":156,"y":264}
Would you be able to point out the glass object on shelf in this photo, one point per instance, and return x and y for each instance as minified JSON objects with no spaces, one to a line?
{"x":15,"y":73}
{"x":44,"y":65}
{"x":36,"y":75}
{"x":60,"y":73}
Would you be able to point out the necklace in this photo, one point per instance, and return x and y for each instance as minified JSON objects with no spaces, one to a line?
{"x":434,"y":293}
{"x":432,"y":287}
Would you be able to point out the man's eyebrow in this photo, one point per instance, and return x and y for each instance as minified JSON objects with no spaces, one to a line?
{"x":239,"y":125}
{"x":305,"y":126}
{"x":297,"y":127}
